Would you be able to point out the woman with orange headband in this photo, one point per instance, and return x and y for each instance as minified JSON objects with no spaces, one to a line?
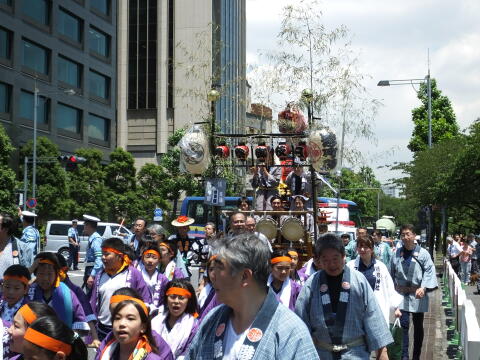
{"x":168,"y":261}
{"x":155,"y":280}
{"x":49,"y":289}
{"x":293,"y":266}
{"x":176,"y":320}
{"x":48,"y":338}
{"x":23,"y":318}
{"x":285,"y":289}
{"x":131,"y":337}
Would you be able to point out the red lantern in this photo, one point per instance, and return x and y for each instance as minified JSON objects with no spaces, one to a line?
{"x":222,"y":151}
{"x":283,"y":150}
{"x":301,"y":151}
{"x":241,"y":152}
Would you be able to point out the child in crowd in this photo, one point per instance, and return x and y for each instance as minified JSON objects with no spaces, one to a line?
{"x":293,"y":266}
{"x":48,"y":338}
{"x":117,"y":272}
{"x":23,"y":318}
{"x":168,"y":263}
{"x":155,"y":280}
{"x":14,"y":290}
{"x":131,"y":334}
{"x":49,"y":289}
{"x":176,"y":321}
{"x":286,"y":290}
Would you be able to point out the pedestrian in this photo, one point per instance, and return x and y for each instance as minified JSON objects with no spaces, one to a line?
{"x":93,"y":258}
{"x":453,"y":253}
{"x":9,"y":244}
{"x":14,"y":291}
{"x":250,"y":224}
{"x":250,"y":323}
{"x":73,"y":245}
{"x":466,"y":262}
{"x":157,"y":233}
{"x":378,"y":277}
{"x":413,"y":274}
{"x":117,"y":273}
{"x":139,"y":236}
{"x":383,"y":251}
{"x":473,"y":243}
{"x":265,"y":181}
{"x":340,"y":309}
{"x":48,"y":338}
{"x":30,"y":240}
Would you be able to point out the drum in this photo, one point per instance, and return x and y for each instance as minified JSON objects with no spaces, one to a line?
{"x":292,"y":229}
{"x":268,"y":227}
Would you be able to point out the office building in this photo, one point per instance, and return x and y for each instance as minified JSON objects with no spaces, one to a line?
{"x":67,"y":50}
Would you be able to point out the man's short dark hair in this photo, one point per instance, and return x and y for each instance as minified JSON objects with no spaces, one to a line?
{"x":275,"y":197}
{"x":9,"y":223}
{"x":329,"y":241}
{"x":142,"y":219}
{"x":409,"y":227}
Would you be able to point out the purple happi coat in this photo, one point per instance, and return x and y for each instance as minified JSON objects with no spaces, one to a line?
{"x":82,"y":297}
{"x":163,"y":348}
{"x":294,"y":292}
{"x":306,"y":271}
{"x":65,"y":303}
{"x":157,"y":291}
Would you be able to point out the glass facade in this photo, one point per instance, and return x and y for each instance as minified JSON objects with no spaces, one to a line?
{"x":5,"y":43}
{"x":68,"y":118}
{"x":5,"y":96}
{"x":26,"y":107}
{"x":6,"y":2}
{"x":38,"y":10}
{"x":69,"y":72}
{"x":102,"y":6}
{"x":99,"y":42}
{"x":35,"y":57}
{"x":99,"y":85}
{"x":70,"y":26}
{"x":98,"y":127}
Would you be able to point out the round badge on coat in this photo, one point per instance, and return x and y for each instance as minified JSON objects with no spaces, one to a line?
{"x":15,"y":253}
{"x":324,"y":288}
{"x":254,"y":334}
{"x":220,"y":329}
{"x":346,"y":285}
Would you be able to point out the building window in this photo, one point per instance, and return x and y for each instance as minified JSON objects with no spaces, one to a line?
{"x":98,"y":127}
{"x":101,"y":6}
{"x":68,"y":118}
{"x":35,"y":57}
{"x":26,"y":107}
{"x":99,"y":85}
{"x":5,"y":96}
{"x":70,"y":26}
{"x":38,"y":10}
{"x":6,"y":2}
{"x":5,"y":43}
{"x":69,"y":72}
{"x":99,"y":42}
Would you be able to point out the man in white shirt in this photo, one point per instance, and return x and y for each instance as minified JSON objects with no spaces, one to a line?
{"x":453,"y":251}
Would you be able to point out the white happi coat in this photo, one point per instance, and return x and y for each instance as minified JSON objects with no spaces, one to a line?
{"x":384,"y":290}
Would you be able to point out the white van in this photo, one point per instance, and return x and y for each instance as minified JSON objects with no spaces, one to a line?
{"x":56,"y":236}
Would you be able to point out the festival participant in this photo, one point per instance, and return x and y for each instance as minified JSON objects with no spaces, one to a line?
{"x":117,"y":273}
{"x":293,"y":267}
{"x":48,"y":338}
{"x":14,"y":291}
{"x":299,"y":182}
{"x":307,"y":219}
{"x":49,"y":288}
{"x":383,"y":251}
{"x":251,"y":323}
{"x":340,"y":309}
{"x":286,"y":290}
{"x":310,"y":267}
{"x":265,"y":181}
{"x":90,"y":317}
{"x":413,"y":273}
{"x":24,"y":317}
{"x":132,"y":335}
{"x":170,"y":266}
{"x":207,"y":299}
{"x":177,"y":318}
{"x":243,"y":204}
{"x":155,"y":280}
{"x":157,"y":233}
{"x":377,"y":275}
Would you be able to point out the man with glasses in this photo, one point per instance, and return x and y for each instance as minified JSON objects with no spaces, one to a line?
{"x":413,"y":274}
{"x":138,"y":236}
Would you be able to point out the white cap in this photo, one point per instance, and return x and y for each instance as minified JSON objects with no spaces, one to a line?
{"x":29,"y":213}
{"x":90,"y":218}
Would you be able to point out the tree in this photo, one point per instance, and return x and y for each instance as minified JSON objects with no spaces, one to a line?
{"x":444,"y":123}
{"x":150,"y":191}
{"x":7,"y":175}
{"x":52,"y":190}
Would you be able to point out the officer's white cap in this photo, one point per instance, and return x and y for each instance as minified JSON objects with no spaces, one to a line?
{"x":90,"y":218}
{"x":29,"y":213}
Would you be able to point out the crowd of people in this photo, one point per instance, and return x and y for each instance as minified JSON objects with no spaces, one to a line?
{"x":463,"y":253}
{"x":139,"y":299}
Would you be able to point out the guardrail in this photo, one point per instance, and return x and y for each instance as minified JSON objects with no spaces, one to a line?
{"x":464,"y":313}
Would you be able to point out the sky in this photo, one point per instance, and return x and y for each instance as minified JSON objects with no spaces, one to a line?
{"x":391,"y":39}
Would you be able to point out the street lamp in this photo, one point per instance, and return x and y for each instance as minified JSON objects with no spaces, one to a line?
{"x":36,"y":92}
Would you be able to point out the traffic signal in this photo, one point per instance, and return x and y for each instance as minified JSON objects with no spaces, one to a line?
{"x":71,"y":161}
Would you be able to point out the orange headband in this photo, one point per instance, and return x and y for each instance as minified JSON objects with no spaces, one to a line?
{"x":179,"y":291}
{"x":46,"y":261}
{"x":278,"y":259}
{"x":50,"y":262}
{"x":47,"y":342}
{"x":28,"y":315}
{"x":167,"y":246}
{"x":115,"y":299}
{"x":22,"y":279}
{"x":112,"y":250}
{"x":293,"y":253}
{"x":152,"y":251}
{"x":213,"y":257}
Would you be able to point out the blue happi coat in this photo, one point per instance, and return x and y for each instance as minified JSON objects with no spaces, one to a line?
{"x":363,"y":316}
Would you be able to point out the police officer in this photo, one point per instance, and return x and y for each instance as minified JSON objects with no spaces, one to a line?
{"x":73,"y":245}
{"x":30,"y":240}
{"x":93,"y":260}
